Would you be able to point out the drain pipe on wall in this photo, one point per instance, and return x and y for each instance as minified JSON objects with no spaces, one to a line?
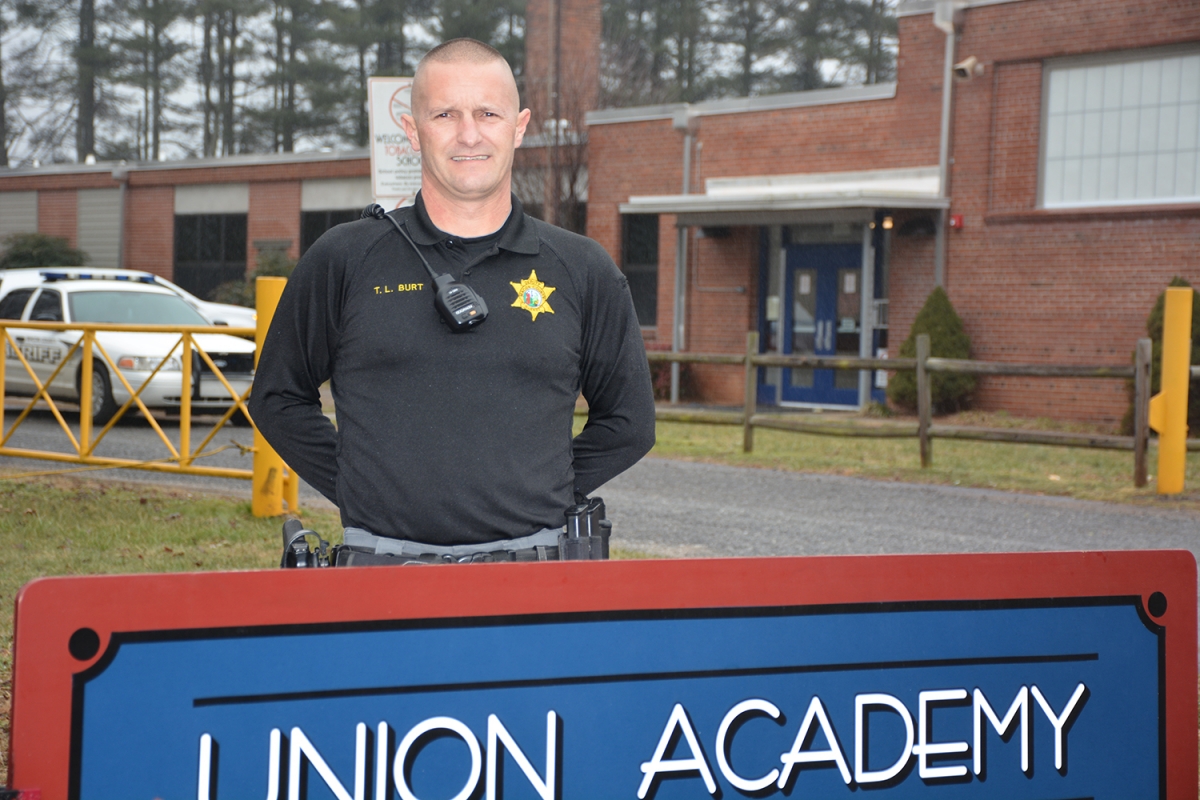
{"x":947,"y":16}
{"x":121,"y":175}
{"x":683,"y":121}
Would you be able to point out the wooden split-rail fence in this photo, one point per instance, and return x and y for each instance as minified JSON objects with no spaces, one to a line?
{"x":925,"y":430}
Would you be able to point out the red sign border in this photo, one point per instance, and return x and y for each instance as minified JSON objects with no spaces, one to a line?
{"x":49,"y":610}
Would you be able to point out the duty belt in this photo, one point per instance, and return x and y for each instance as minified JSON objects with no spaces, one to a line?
{"x":348,"y":556}
{"x":584,"y":537}
{"x":365,"y":548}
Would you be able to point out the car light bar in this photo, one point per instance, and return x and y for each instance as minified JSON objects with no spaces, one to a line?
{"x":88,"y":276}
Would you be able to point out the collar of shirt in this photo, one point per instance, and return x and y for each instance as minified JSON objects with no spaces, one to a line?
{"x":517,"y":235}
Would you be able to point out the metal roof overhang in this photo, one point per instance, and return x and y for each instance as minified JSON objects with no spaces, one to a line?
{"x":784,"y":199}
{"x":702,"y":210}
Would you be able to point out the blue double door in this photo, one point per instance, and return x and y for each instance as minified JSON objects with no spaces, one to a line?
{"x":821,"y":315}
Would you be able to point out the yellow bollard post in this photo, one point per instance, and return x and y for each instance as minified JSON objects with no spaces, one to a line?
{"x":291,"y":489}
{"x":268,"y":492}
{"x":188,"y":387}
{"x":1169,"y":408}
{"x":86,"y":367}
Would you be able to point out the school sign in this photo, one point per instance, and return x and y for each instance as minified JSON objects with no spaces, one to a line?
{"x":998,"y":676}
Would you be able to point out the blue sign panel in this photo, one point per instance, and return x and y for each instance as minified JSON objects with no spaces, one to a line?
{"x":995,"y":699}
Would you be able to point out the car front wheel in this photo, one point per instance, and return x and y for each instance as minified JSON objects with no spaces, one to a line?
{"x":103,"y":404}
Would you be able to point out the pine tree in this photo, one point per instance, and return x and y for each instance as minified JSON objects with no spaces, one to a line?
{"x":148,"y":58}
{"x":754,"y":29}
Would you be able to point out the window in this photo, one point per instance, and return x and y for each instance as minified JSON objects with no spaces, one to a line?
{"x":14,"y":302}
{"x":1123,"y":131}
{"x":639,"y":262}
{"x":210,"y":249}
{"x":315,"y":223}
{"x":47,"y":307}
{"x":133,"y":308}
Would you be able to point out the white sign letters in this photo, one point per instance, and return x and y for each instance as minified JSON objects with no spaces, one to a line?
{"x":918,"y":740}
{"x":689,"y":758}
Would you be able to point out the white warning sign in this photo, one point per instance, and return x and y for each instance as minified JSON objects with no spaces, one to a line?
{"x":395,"y":166}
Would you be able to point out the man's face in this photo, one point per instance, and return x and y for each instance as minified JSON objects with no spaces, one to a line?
{"x":466,"y":128}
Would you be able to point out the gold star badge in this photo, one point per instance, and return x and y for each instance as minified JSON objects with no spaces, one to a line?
{"x":532,"y":295}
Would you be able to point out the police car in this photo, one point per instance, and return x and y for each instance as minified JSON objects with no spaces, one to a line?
{"x":215,"y":313}
{"x":61,"y":298}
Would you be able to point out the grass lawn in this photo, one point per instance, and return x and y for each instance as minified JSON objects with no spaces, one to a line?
{"x":1036,"y":469}
{"x":73,"y":526}
{"x":67,"y":526}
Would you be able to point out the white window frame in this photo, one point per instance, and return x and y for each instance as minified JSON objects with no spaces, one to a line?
{"x":1103,"y":60}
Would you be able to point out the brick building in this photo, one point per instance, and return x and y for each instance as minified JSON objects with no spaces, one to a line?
{"x":1072,"y":196}
{"x":1071,"y":180}
{"x":196,"y":222}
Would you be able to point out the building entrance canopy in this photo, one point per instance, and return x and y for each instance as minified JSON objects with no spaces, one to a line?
{"x":818,"y":294}
{"x":775,"y":199}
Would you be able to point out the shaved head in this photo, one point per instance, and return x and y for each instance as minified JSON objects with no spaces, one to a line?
{"x":458,"y":51}
{"x":466,"y":122}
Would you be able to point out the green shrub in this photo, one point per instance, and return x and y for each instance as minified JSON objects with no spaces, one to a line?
{"x":238,"y":293}
{"x":947,"y":339}
{"x":1154,"y":329}
{"x":274,"y":264}
{"x":39,"y":250}
{"x":271,"y":264}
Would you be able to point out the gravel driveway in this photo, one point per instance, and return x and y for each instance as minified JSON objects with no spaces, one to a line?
{"x":675,"y":508}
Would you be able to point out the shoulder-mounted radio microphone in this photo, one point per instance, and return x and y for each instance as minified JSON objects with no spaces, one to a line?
{"x":459,"y":304}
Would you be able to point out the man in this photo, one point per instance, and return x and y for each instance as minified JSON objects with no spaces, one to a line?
{"x":456,"y":443}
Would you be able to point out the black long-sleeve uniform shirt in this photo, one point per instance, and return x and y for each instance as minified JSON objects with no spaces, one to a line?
{"x":454,"y":438}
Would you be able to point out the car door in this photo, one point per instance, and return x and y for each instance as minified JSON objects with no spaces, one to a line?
{"x":45,"y":350}
{"x":12,"y":307}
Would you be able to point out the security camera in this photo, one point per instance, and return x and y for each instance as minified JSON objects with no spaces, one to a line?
{"x":968,"y":68}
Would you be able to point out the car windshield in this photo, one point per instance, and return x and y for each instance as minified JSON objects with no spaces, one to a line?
{"x":134,"y":308}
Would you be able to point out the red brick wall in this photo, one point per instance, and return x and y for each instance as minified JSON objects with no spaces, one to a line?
{"x":1051,"y":286}
{"x":1031,"y":285}
{"x":1013,"y":118}
{"x":724,"y":301}
{"x":1052,"y":28}
{"x":237,"y":173}
{"x":910,"y":264}
{"x":27,"y":180}
{"x":578,"y":76}
{"x":579,"y":46}
{"x":274,"y":214}
{"x":645,"y":158}
{"x":56,"y":213}
{"x":149,"y":241}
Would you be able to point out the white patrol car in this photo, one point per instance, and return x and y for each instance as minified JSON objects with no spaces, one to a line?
{"x":135,"y":354}
{"x":215,"y":313}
